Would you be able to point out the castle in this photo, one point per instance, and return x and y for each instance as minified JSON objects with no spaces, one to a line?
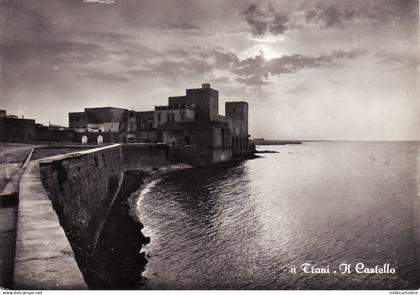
{"x":190,"y":125}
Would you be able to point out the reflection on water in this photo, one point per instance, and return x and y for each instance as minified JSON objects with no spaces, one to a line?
{"x":246,"y":225}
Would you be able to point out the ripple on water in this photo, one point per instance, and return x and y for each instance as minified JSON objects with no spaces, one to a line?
{"x":244,"y":225}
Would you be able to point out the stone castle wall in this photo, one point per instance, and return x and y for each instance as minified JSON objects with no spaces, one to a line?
{"x":83,"y":186}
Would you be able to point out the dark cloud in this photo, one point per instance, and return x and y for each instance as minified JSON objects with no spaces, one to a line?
{"x":328,"y":16}
{"x":252,"y":71}
{"x":375,"y":12}
{"x":258,"y":66}
{"x":263,"y":18}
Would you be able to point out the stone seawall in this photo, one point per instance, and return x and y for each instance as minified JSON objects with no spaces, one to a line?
{"x":199,"y":156}
{"x":83,"y":188}
{"x":44,"y":258}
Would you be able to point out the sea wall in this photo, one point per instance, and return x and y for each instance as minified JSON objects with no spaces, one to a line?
{"x":43,"y":258}
{"x":199,"y":156}
{"x":83,"y":188}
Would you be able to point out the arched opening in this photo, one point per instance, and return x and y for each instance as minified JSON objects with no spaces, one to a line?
{"x":84,"y":139}
{"x":100,"y":139}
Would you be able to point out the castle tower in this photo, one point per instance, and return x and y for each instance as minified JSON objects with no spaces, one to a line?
{"x":238,"y":112}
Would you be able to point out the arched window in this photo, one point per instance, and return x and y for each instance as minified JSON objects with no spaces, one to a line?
{"x":100,"y":139}
{"x":84,"y":139}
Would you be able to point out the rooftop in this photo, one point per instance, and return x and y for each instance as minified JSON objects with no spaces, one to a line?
{"x":176,"y":106}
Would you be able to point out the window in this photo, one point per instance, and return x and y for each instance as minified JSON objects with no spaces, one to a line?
{"x":186,"y":140}
{"x":170,"y":117}
{"x":158,"y":117}
{"x":234,"y":110}
{"x":182,"y":116}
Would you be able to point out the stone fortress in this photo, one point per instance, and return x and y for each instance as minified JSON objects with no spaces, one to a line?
{"x":190,"y":125}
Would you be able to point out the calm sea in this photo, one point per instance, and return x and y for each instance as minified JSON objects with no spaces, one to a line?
{"x":245,"y":225}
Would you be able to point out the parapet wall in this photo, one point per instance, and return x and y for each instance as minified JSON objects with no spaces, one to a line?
{"x":83,"y":186}
{"x":44,"y":258}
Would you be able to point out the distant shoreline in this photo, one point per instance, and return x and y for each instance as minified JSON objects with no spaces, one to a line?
{"x":275,"y":142}
{"x":284,"y":142}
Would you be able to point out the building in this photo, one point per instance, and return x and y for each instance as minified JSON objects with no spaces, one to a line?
{"x":77,"y":121}
{"x":196,"y":133}
{"x":53,"y":133}
{"x":140,"y":127}
{"x":13,"y":128}
{"x":145,"y":132}
{"x":112,"y":124}
{"x":190,"y":125}
{"x":238,"y":113}
{"x":204,"y":100}
{"x":175,"y":112}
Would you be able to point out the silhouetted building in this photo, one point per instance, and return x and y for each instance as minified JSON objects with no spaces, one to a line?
{"x":54,"y":133}
{"x":238,"y":113}
{"x":78,"y":121}
{"x":190,"y":125}
{"x":196,"y":133}
{"x":13,"y":128}
{"x":88,"y":124}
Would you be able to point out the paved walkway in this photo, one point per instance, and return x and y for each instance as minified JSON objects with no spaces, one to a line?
{"x":44,"y":258}
{"x":11,"y":170}
{"x":11,"y":157}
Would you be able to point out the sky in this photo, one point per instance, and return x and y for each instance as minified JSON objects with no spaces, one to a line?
{"x":313,"y":70}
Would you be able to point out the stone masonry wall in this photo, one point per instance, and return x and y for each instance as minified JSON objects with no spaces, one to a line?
{"x":82,"y":187}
